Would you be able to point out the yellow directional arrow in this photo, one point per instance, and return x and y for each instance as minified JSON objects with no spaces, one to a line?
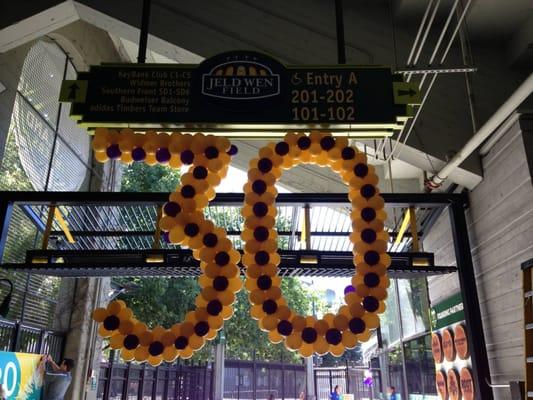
{"x":406,"y":93}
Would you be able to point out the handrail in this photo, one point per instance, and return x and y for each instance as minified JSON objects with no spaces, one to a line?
{"x":126,"y":198}
{"x":13,"y":323}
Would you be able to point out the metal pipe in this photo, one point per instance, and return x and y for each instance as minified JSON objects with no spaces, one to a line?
{"x":341,"y":50}
{"x":496,"y":385}
{"x":521,"y":94}
{"x":489,"y":144}
{"x":143,"y":38}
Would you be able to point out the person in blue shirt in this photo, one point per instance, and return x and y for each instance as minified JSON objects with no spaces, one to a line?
{"x":392,"y":393}
{"x":57,"y":378}
{"x":336,"y":394}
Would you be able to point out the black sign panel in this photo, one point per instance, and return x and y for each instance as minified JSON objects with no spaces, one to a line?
{"x":237,"y":90}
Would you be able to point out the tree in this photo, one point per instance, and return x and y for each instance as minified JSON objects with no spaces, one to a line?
{"x":163,"y":301}
{"x":139,"y":177}
{"x":243,"y":335}
{"x":351,"y":357}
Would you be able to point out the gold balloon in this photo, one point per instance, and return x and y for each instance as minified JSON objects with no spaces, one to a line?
{"x":306,"y":350}
{"x":115,"y":307}
{"x":116,"y":341}
{"x":100,"y":314}
{"x":333,"y":157}
{"x":293,"y":341}
{"x":154,"y":361}
{"x":170,"y":354}
{"x":321,"y":346}
{"x":275,"y":337}
{"x":141,"y":353}
{"x":196,"y":342}
{"x":104,"y":332}
{"x":101,"y":156}
{"x":127,"y":355}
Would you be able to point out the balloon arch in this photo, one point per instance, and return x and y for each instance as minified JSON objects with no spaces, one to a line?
{"x":183,"y":223}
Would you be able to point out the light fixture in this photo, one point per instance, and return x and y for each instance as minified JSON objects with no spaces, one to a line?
{"x":4,"y":307}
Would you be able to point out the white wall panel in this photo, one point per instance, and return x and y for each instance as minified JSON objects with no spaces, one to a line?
{"x":500,"y":220}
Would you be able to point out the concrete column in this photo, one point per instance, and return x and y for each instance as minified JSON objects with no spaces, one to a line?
{"x":218,"y":370}
{"x":384,"y":369}
{"x":81,"y":339}
{"x":310,"y":389}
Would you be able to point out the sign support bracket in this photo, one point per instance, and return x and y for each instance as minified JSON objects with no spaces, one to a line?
{"x":341,"y":48}
{"x":143,"y":37}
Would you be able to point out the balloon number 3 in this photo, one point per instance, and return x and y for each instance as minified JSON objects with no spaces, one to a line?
{"x":184,"y":223}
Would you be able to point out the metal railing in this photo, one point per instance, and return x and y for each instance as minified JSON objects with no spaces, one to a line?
{"x":260,"y":379}
{"x":118,"y":381}
{"x":349,"y":379}
{"x":184,"y":381}
{"x":20,"y":337}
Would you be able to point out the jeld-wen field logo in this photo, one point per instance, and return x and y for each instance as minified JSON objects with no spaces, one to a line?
{"x":240,"y":80}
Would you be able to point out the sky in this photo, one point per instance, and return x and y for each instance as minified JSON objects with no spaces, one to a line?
{"x":235,"y":180}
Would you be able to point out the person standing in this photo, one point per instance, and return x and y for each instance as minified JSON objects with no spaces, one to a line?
{"x":336,"y":394}
{"x":57,"y":378}
{"x":392,"y":393}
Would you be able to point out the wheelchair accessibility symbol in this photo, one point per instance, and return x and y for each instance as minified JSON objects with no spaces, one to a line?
{"x":295,"y":79}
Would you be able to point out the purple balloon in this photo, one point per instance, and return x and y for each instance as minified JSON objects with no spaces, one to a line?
{"x":233,"y":150}
{"x":172,"y":209}
{"x":138,"y":154}
{"x":162,"y":154}
{"x":113,"y":151}
{"x":349,"y":289}
{"x":187,"y":157}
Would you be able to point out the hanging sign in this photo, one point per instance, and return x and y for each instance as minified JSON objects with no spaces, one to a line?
{"x":447,"y":312}
{"x":241,"y":90}
{"x":453,"y":354}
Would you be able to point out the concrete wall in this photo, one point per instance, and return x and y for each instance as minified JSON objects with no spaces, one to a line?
{"x":500,"y":220}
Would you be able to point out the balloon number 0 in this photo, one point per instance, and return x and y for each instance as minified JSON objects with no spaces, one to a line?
{"x":184,"y":223}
